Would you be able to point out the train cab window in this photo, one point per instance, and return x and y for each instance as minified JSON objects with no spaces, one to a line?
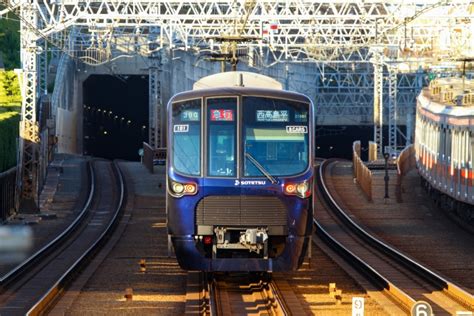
{"x":221,"y":137}
{"x":186,"y":129}
{"x":275,"y":137}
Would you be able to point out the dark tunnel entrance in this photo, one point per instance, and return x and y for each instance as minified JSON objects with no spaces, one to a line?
{"x":115,"y":116}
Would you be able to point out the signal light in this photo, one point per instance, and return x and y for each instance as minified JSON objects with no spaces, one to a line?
{"x":190,"y":188}
{"x":290,"y":188}
{"x":207,"y":240}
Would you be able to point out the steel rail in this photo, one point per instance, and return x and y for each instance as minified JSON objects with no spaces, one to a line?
{"x":268,"y":290}
{"x":278,"y":304}
{"x":450,"y":288}
{"x":215,"y":307}
{"x":43,"y":303}
{"x":10,"y":276}
{"x":406,"y":300}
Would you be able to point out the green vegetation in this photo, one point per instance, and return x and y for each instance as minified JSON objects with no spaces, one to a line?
{"x":10,"y":41}
{"x":9,"y":88}
{"x":10,"y":105}
{"x":8,"y":138}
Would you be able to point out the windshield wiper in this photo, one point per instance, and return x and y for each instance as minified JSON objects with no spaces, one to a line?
{"x":261,"y":168}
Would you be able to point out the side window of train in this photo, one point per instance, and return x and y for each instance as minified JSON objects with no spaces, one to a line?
{"x":221,"y":137}
{"x":186,"y":129}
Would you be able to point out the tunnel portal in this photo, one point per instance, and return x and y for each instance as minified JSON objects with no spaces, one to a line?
{"x":115,"y":116}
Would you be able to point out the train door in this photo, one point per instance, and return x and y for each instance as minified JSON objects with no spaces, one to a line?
{"x":221,"y":142}
{"x":221,"y":204}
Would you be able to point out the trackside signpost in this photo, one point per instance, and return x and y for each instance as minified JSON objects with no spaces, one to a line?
{"x":421,"y":308}
{"x":357,"y":306}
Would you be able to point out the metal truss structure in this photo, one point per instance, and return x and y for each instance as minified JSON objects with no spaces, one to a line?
{"x":154,"y":99}
{"x":378,"y":99}
{"x":295,"y":30}
{"x":392,"y":109}
{"x":336,"y":32}
{"x":361,"y":91}
{"x":29,"y":126}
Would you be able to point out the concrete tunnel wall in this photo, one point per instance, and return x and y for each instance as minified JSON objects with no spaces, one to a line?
{"x":179,"y":71}
{"x":68,"y":97}
{"x":64,"y":106}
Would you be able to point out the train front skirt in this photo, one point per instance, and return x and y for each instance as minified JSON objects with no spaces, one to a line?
{"x":190,"y":258}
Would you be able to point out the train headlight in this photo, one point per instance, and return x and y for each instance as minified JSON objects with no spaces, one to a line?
{"x":303,"y":190}
{"x":181,"y":189}
{"x":177,"y":187}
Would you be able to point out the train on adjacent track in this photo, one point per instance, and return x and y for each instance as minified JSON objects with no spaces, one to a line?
{"x":444,"y":143}
{"x":240,"y":171}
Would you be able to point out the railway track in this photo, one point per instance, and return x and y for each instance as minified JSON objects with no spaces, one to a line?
{"x":403,"y":279}
{"x":8,"y":278}
{"x":239,"y":294}
{"x":32,"y":287}
{"x":243,"y":294}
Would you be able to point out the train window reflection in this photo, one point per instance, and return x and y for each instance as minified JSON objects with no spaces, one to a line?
{"x":186,"y":131}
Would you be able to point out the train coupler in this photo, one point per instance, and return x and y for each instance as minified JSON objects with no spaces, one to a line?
{"x":251,"y":239}
{"x":255,"y":239}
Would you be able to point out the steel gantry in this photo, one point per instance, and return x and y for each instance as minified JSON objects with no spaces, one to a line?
{"x":294,"y":30}
{"x":29,"y":128}
{"x":335,"y":32}
{"x":154,"y":99}
{"x":392,"y":111}
{"x":378,"y":97}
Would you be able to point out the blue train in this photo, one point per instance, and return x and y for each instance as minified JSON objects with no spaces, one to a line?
{"x":240,"y":174}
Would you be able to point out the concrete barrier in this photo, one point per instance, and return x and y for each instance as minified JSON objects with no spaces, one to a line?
{"x":362,"y":174}
{"x":405,"y":162}
{"x":372,"y":151}
{"x":148,"y":156}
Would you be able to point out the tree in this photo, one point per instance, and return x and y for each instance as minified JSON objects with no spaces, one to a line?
{"x":2,"y":88}
{"x":10,"y":41}
{"x":10,"y":84}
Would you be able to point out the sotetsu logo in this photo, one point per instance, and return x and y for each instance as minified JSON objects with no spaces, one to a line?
{"x":250,"y":182}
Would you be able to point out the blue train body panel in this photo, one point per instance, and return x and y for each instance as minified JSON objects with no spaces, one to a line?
{"x":240,"y":178}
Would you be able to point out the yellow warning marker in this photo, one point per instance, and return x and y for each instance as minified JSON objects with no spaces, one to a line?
{"x":332,"y":289}
{"x":129,"y":294}
{"x":142,"y":265}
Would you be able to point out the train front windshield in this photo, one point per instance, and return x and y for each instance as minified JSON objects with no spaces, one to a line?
{"x":273,"y":137}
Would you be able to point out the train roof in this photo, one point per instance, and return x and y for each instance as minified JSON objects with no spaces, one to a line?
{"x":237,"y":78}
{"x":443,"y":113}
{"x":236,"y":90}
{"x":449,"y":100}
